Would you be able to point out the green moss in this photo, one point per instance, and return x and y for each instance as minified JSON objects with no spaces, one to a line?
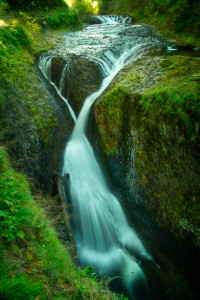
{"x":16,"y":68}
{"x":110,"y":118}
{"x":167,"y":156}
{"x":177,"y":95}
{"x":113,"y":111}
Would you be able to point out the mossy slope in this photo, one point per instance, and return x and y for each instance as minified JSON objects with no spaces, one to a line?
{"x":31,"y":117}
{"x":34,"y":264}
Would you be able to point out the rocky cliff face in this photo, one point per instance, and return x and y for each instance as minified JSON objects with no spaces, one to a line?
{"x":81,"y":77}
{"x":148,"y":130}
{"x":37,"y":122}
{"x":34,"y":130}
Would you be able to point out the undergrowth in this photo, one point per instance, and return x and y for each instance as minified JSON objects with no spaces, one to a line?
{"x":176,"y":18}
{"x":64,"y":19}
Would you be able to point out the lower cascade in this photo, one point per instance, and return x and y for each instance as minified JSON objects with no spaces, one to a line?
{"x":102,"y":235}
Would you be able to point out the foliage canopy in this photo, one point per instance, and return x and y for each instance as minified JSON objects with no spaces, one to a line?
{"x":35,"y":4}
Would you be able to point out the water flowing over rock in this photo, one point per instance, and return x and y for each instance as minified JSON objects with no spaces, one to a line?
{"x":75,"y":76}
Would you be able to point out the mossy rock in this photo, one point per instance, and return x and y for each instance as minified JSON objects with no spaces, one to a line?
{"x":157,"y":116}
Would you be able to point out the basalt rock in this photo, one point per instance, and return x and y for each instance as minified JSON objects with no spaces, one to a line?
{"x":80,"y":77}
{"x":154,"y":162}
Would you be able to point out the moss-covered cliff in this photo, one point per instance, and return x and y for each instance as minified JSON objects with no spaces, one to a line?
{"x":147,"y":124}
{"x":151,"y":111}
{"x":32,"y":118}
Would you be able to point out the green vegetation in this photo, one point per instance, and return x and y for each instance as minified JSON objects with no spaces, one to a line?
{"x":177,"y":96}
{"x":179,"y":19}
{"x":170,"y":120}
{"x":110,"y":111}
{"x":36,"y":4}
{"x":83,"y":7}
{"x":34,"y":263}
{"x":64,"y":19}
{"x":16,"y":65}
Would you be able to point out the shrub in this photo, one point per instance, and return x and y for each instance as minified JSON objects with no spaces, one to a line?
{"x":63,"y":20}
{"x":83,"y":7}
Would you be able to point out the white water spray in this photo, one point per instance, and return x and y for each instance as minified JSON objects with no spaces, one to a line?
{"x":114,"y":20}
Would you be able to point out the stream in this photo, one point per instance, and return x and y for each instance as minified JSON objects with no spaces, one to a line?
{"x":102,"y":235}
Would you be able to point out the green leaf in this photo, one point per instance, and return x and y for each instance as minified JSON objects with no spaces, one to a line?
{"x":4,"y":213}
{"x":21,"y":234}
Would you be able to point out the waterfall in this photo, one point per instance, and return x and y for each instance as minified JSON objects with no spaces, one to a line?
{"x":114,"y":19}
{"x":101,"y":231}
{"x":44,"y":64}
{"x":102,"y":235}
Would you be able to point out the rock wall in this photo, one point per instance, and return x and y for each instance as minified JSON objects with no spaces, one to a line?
{"x":35,"y":129}
{"x":38,"y":122}
{"x":82,"y":77}
{"x":150,"y":144}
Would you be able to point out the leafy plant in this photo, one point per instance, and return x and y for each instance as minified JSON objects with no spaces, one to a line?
{"x":122,"y":297}
{"x":62,"y":20}
{"x":83,"y":7}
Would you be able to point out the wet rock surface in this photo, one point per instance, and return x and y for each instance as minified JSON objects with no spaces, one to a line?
{"x":54,"y":150}
{"x":80,"y":76}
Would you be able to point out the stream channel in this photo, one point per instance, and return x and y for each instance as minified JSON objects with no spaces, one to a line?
{"x":102,"y":235}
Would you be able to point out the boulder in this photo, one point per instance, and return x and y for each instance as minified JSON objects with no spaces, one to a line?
{"x":77,"y":77}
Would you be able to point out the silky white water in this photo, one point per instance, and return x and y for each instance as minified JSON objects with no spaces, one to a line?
{"x":101,"y":232}
{"x":102,"y":235}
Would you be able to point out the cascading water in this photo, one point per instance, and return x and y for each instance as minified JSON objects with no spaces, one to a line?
{"x":102,"y":235}
{"x":114,"y":19}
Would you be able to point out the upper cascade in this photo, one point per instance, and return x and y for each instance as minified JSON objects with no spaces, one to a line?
{"x":114,"y":19}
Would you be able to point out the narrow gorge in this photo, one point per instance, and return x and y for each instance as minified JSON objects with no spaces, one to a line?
{"x":105,"y":68}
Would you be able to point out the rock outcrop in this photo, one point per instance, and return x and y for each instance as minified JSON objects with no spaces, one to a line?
{"x":80,"y":77}
{"x":147,"y":124}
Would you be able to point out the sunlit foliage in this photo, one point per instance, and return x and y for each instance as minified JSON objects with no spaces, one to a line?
{"x":83,"y":7}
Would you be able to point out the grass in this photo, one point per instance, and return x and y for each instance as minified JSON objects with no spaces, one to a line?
{"x":64,"y":19}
